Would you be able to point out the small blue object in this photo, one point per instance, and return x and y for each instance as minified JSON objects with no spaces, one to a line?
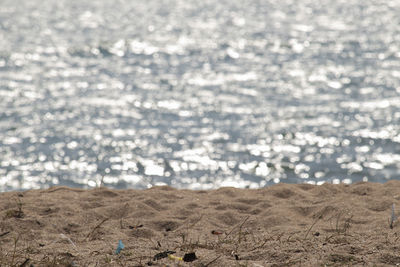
{"x":120,"y":247}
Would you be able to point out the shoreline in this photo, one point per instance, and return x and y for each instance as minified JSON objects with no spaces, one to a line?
{"x":280,"y":225}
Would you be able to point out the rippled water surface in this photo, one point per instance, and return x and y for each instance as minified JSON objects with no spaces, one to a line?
{"x":198,"y":94}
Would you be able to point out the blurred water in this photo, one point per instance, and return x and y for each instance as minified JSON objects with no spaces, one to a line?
{"x":198,"y":94}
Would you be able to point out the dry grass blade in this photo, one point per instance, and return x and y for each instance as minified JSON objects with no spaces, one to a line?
{"x":237,"y":226}
{"x":96,"y":227}
{"x":312,"y":225}
{"x":393,"y":217}
{"x":5,"y":233}
{"x":212,"y":261}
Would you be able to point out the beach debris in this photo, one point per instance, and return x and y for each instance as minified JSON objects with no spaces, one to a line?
{"x":172,"y":257}
{"x":215,"y":232}
{"x":119,"y":247}
{"x":135,"y":226}
{"x":393,"y":217}
{"x":162,"y":255}
{"x":189,"y":257}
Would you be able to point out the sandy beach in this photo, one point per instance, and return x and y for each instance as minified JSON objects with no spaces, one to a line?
{"x":282,"y":225}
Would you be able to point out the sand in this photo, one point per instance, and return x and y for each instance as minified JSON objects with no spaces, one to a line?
{"x":282,"y":225}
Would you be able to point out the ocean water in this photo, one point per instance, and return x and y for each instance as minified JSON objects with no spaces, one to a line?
{"x":198,"y":94}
